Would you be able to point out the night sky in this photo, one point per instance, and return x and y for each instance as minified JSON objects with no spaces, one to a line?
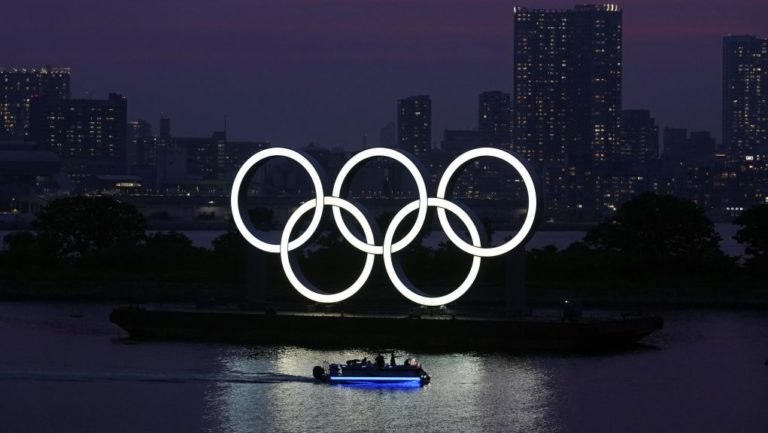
{"x":329,"y":71}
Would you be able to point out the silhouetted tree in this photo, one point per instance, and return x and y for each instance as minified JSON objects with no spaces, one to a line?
{"x":230,"y":251}
{"x":753,"y":234}
{"x":23,"y":249}
{"x":81,"y":226}
{"x":659,"y":234}
{"x":173,"y":251}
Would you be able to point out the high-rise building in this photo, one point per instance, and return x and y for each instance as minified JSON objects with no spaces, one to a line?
{"x":205,"y":156}
{"x":494,"y":119}
{"x":456,"y":141}
{"x":27,"y":173}
{"x":237,"y":152}
{"x":19,"y":87}
{"x":702,"y":147}
{"x":567,"y":96}
{"x":675,"y":143}
{"x":745,"y":95}
{"x":140,"y":143}
{"x":639,"y":138}
{"x":142,"y":153}
{"x":414,"y":124}
{"x":88,"y":134}
{"x":165,"y":128}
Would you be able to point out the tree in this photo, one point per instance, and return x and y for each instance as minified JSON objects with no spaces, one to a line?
{"x":20,"y":243}
{"x":24,"y":249}
{"x":230,"y":254}
{"x":659,"y":233}
{"x":753,"y":233}
{"x":174,"y":252}
{"x":81,"y":226}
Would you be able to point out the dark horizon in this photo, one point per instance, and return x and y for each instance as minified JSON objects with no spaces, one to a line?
{"x":293,"y":72}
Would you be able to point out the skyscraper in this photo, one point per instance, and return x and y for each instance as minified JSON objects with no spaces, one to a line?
{"x":18,"y":87}
{"x":745,"y":95}
{"x":494,"y":119}
{"x":639,"y":138}
{"x":140,"y":144}
{"x":567,"y":95}
{"x":414,"y":124}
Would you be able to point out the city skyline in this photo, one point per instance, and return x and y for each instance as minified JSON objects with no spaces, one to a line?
{"x":337,"y":51}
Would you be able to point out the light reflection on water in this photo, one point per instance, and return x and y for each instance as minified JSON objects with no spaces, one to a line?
{"x":704,"y":373}
{"x":466,"y":390}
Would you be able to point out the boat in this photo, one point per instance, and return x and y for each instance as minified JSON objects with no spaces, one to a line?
{"x":363,"y":371}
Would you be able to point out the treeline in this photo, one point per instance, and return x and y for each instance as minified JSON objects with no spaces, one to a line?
{"x":652,"y":242}
{"x":657,"y":242}
{"x":87,"y":239}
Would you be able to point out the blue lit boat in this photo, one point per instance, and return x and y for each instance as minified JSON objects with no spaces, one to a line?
{"x":364,"y":371}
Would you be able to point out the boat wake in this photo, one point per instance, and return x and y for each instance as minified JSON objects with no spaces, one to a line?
{"x":150,"y":377}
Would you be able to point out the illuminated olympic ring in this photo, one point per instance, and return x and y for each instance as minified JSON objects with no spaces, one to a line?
{"x":389,"y":245}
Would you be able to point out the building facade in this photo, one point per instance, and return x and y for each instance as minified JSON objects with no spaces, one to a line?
{"x":19,"y":87}
{"x":89,"y":135}
{"x":414,"y":124}
{"x":567,"y":97}
{"x":745,"y":95}
{"x":639,"y":137}
{"x":494,"y":119}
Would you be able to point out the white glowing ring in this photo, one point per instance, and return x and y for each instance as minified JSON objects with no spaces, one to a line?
{"x":421,"y":186}
{"x":530,"y":188}
{"x":244,"y":225}
{"x":298,"y":281}
{"x":388,"y":247}
{"x":401,"y":283}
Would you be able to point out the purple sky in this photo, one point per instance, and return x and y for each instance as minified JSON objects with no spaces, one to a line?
{"x":331,"y":70}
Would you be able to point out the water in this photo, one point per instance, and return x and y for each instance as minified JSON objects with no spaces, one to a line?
{"x":704,"y":372}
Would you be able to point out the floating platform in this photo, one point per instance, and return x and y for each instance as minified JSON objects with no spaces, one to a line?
{"x":419,"y":333}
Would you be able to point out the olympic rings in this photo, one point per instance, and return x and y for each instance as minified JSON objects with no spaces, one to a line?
{"x":399,"y":280}
{"x":244,"y":225}
{"x":299,"y":282}
{"x":409,"y":163}
{"x":530,"y":217}
{"x":389,"y":246}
